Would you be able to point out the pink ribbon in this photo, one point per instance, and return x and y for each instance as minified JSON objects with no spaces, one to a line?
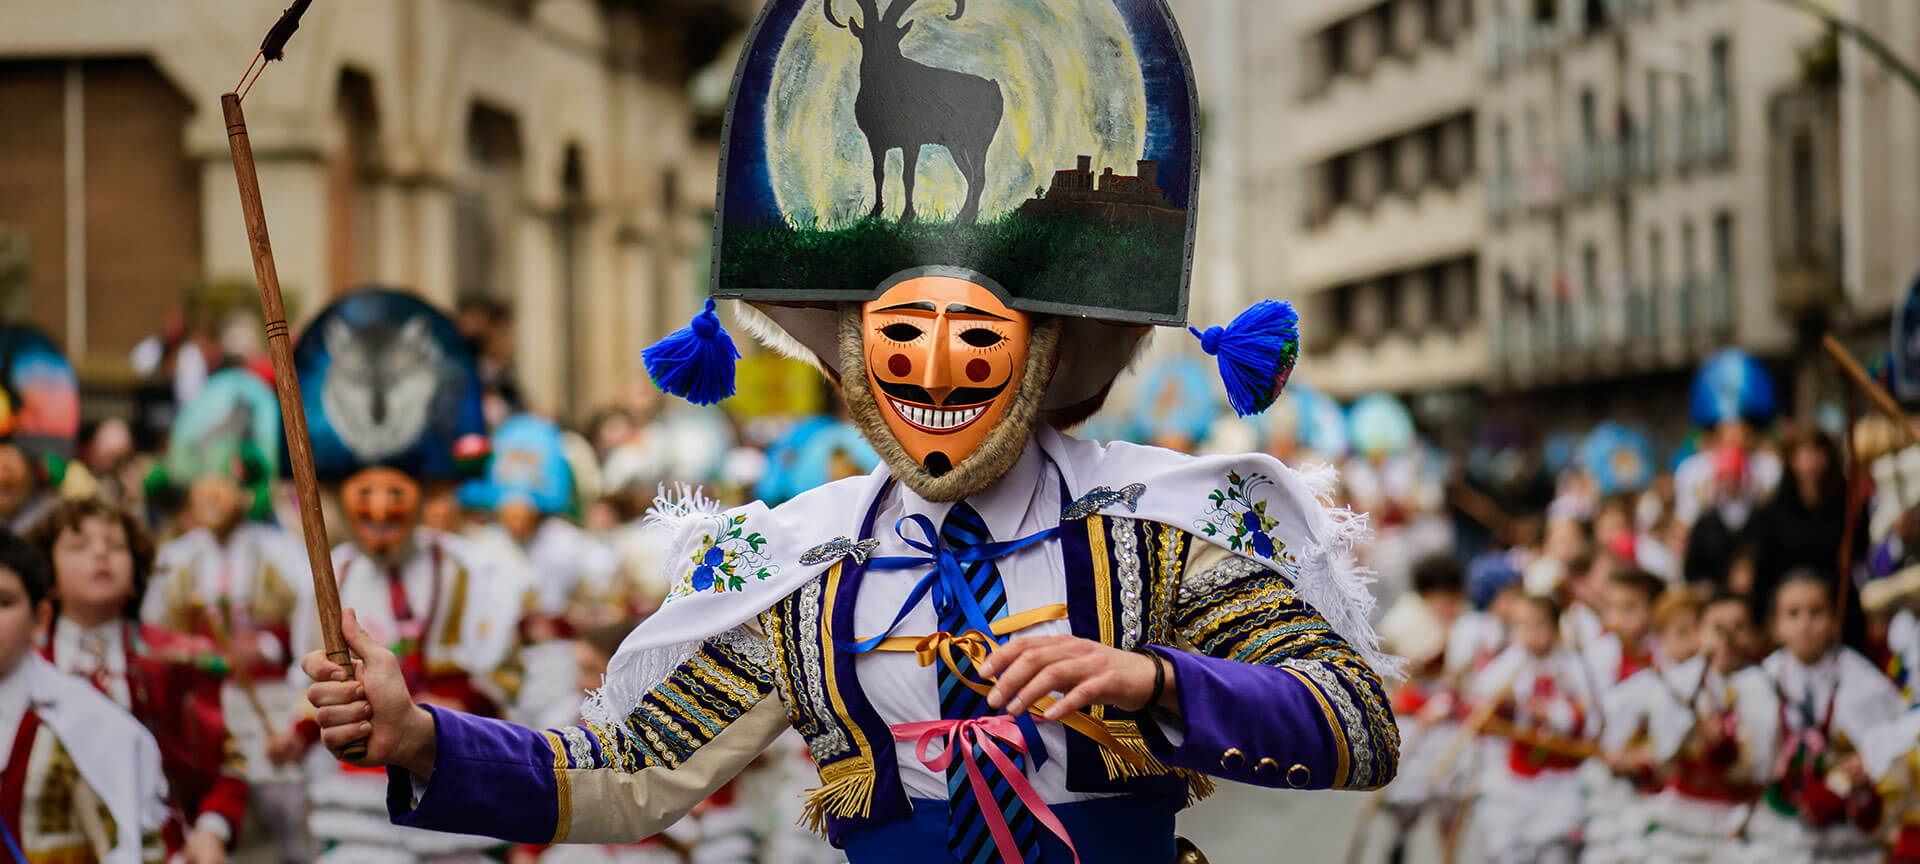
{"x":964,"y":735}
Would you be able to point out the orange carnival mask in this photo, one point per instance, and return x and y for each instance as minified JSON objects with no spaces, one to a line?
{"x":945,"y":357}
{"x":383,"y":508}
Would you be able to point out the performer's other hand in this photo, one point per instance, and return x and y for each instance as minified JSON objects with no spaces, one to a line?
{"x":1088,"y":672}
{"x":375,"y":707}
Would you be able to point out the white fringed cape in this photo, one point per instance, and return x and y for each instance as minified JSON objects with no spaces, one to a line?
{"x":1314,"y":544}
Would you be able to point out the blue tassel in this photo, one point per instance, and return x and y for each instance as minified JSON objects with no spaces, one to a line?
{"x":1256,"y":354}
{"x":694,"y":362}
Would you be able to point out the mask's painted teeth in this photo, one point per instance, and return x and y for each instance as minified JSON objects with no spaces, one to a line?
{"x":937,"y":419}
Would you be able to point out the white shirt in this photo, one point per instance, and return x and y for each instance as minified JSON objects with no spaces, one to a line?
{"x":1025,"y":501}
{"x":98,"y":651}
{"x":230,"y":571}
{"x":15,"y":696}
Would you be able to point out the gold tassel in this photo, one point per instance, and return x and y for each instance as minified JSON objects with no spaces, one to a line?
{"x":845,"y":790}
{"x":1128,"y":734}
{"x":1199,"y":785}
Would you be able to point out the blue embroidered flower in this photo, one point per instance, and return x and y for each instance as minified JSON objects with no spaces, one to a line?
{"x":726,"y":560}
{"x":1237,"y":516}
{"x":1257,"y":533}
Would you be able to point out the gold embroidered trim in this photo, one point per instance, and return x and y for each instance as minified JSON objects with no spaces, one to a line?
{"x":1342,"y":766}
{"x":563,"y":789}
{"x":845,"y":790}
{"x":1102,"y":597}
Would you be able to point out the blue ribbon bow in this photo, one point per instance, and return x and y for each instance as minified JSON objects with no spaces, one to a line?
{"x":944,"y":577}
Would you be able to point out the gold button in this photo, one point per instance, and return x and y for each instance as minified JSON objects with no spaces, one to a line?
{"x":1233,"y":759}
{"x":1267,"y":769}
{"x":1299,"y":776}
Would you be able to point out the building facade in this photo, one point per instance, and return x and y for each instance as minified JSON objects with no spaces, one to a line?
{"x":1632,"y":170}
{"x":548,"y":154}
{"x":1389,"y":221}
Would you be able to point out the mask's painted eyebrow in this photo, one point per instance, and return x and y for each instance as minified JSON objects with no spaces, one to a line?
{"x":916,"y":306}
{"x":964,"y":309}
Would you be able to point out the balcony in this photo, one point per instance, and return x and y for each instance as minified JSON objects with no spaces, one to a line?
{"x":1637,"y":327}
{"x":1716,"y":132}
{"x":1397,"y":233}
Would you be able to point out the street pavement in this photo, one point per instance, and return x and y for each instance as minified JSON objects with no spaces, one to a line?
{"x":1241,"y":824}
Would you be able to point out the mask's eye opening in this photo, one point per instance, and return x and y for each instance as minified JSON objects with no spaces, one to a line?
{"x":901,"y":332}
{"x":981,"y":337}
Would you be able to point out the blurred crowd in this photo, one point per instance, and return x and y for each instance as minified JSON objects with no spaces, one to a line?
{"x":1612,"y":657}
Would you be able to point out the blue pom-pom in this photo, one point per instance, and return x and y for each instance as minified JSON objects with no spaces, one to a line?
{"x":694,"y":362}
{"x":1256,"y":354}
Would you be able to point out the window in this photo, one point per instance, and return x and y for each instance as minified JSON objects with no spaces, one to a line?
{"x":1392,"y":301}
{"x":1805,"y":243}
{"x":1653,"y":104}
{"x":1721,"y":76}
{"x":1589,"y":116}
{"x":1502,"y":150}
{"x":1723,"y":244}
{"x":1533,"y":135}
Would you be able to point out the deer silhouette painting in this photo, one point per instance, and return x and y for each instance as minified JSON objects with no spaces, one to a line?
{"x":908,"y":105}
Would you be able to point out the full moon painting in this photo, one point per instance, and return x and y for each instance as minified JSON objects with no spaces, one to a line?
{"x":1049,"y":146}
{"x":1065,"y":68}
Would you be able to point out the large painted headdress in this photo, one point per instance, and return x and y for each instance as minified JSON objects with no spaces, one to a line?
{"x":387,"y":382}
{"x":1026,"y":160}
{"x":39,"y":394}
{"x":529,"y":462}
{"x":232,"y":426}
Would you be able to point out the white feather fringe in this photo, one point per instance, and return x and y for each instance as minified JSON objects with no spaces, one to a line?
{"x":770,"y":334}
{"x":1332,"y":580}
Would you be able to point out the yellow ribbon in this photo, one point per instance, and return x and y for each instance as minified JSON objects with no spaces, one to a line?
{"x":976,"y":646}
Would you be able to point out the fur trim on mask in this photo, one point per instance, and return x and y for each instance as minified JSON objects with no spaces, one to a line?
{"x":1004,"y":442}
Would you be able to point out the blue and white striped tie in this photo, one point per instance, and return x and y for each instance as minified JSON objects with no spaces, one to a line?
{"x":967,"y":834}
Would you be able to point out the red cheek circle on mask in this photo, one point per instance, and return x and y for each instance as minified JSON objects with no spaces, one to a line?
{"x":899,"y":365}
{"x":978,"y":369}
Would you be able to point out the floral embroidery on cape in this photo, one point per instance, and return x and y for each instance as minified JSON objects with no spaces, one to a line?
{"x":725,"y":559}
{"x":1234,"y":514}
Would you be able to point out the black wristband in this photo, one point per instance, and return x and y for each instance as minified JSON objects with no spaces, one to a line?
{"x":1159,"y":674}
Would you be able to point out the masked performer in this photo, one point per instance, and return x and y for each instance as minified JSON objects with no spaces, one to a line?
{"x":530,"y":486}
{"x":236,"y":578}
{"x":1197,"y":617}
{"x":389,"y":390}
{"x":39,"y":420}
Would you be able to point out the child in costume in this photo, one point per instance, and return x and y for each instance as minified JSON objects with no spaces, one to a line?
{"x":1531,"y":804}
{"x":102,"y":557}
{"x":1706,"y":735}
{"x":1619,"y":800}
{"x":1820,"y":803}
{"x":1200,"y":616}
{"x":1417,"y":627}
{"x":236,"y":578}
{"x":82,"y":781}
{"x":444,"y":611}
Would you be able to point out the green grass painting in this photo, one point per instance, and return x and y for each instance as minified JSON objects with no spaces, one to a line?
{"x":1050,"y":258}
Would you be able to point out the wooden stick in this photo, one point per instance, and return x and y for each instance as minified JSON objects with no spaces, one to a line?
{"x":1881,"y":399}
{"x":293,"y":414}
